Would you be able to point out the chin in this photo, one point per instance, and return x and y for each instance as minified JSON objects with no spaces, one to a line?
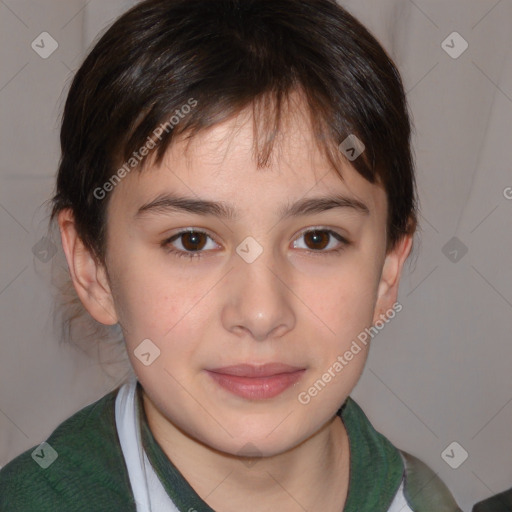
{"x":261,"y":441}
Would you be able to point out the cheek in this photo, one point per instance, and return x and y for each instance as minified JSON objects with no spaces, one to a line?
{"x":344,"y":301}
{"x":170,"y":311}
{"x":146,"y":305}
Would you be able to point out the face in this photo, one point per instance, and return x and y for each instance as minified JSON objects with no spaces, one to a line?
{"x":252,"y":297}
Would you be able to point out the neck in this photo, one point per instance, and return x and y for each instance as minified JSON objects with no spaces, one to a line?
{"x":312,"y":476}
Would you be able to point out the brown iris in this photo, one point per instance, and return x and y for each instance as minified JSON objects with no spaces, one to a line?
{"x":317,"y":237}
{"x":193,"y":240}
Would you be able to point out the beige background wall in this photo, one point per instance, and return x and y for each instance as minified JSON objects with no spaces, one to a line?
{"x":439,"y":372}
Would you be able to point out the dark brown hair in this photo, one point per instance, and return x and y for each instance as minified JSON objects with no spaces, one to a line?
{"x":228,"y":55}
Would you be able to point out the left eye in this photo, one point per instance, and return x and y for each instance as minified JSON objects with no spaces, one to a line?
{"x":321,"y":240}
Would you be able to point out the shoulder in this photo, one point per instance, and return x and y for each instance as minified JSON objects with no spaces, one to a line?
{"x":398,"y":479}
{"x":423,"y":489}
{"x":80,"y":466}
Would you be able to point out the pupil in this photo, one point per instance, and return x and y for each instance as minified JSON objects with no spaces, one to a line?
{"x":318,"y":237}
{"x":191,"y":240}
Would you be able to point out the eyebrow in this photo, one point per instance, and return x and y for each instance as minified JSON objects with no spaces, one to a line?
{"x":168,"y":204}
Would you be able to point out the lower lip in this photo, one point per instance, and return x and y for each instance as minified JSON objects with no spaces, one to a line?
{"x":257,"y":388}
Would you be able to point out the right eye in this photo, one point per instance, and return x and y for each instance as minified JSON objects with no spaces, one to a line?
{"x":190,"y":243}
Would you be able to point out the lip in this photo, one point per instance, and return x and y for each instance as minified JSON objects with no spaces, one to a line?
{"x":256,"y":382}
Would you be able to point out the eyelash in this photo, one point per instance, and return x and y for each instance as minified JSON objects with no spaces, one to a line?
{"x":190,"y":255}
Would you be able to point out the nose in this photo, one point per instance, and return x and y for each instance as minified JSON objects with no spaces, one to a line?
{"x":257,"y":300}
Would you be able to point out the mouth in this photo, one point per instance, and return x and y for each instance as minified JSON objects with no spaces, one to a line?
{"x":257,"y":382}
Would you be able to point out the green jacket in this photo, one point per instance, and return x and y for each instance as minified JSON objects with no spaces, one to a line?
{"x":89,"y":472}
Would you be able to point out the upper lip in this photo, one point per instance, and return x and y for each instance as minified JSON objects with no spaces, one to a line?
{"x":261,"y":370}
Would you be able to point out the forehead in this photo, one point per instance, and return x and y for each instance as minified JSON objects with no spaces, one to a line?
{"x":220,"y":164}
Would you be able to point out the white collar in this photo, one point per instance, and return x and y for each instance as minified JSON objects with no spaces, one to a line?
{"x":148,"y":491}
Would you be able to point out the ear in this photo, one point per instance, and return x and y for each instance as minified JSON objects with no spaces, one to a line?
{"x":89,"y":277}
{"x":390,"y":277}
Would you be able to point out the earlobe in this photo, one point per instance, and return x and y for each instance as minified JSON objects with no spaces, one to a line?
{"x":88,"y":276}
{"x":390,"y":277}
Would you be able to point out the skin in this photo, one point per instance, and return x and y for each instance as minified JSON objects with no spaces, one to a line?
{"x":291,"y":305}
